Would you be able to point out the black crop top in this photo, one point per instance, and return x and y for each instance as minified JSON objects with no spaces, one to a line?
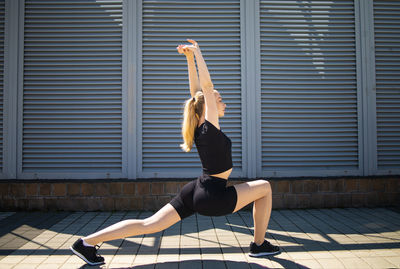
{"x":214,"y":148}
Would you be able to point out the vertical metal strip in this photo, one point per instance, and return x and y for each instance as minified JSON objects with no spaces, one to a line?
{"x":128,"y":148}
{"x":360,"y":83}
{"x":371,"y":90}
{"x":20,"y":87}
{"x":368,"y":87}
{"x":129,"y":85}
{"x":10,"y":94}
{"x":138,"y":72}
{"x":244,"y":78}
{"x":250,"y":77}
{"x":257,"y":89}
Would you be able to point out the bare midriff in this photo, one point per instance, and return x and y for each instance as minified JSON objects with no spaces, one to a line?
{"x":224,"y":175}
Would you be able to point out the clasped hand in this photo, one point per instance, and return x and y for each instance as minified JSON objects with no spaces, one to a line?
{"x":188,"y":49}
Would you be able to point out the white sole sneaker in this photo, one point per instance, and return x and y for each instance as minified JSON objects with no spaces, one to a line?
{"x":83,"y":257}
{"x":262,"y":254}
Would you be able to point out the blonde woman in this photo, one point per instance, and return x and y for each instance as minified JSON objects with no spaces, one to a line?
{"x":208,"y":194}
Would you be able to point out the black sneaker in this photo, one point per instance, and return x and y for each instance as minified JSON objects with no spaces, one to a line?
{"x":264,"y":249}
{"x":88,"y":254}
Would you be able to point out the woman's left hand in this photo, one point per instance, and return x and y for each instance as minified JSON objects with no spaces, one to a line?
{"x":194,"y":43}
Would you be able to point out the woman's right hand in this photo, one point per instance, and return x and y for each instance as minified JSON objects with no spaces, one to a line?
{"x":183,"y":49}
{"x":193,"y":48}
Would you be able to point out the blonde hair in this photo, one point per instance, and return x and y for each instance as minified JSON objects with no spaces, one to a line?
{"x":193,"y":110}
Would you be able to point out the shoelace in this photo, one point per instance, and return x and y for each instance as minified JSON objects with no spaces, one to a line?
{"x":96,"y":247}
{"x":267,"y":244}
{"x":272,"y":246}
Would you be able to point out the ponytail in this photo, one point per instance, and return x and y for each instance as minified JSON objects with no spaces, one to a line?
{"x":193,"y":110}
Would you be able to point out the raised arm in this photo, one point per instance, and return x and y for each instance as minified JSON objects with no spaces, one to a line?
{"x":193,"y":78}
{"x":205,"y":79}
{"x":211,"y":111}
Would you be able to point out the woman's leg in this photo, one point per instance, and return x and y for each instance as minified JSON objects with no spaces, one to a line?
{"x":162,"y":219}
{"x":260,"y":192}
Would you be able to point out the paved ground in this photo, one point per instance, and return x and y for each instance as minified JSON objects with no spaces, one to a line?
{"x":327,"y":238}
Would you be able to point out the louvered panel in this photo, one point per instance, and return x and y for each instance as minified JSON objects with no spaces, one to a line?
{"x":166,"y":24}
{"x":387,"y":60}
{"x":72,"y":107}
{"x":309,"y":92}
{"x":2,"y":20}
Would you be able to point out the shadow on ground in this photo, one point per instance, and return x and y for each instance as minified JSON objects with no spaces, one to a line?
{"x":197,"y":264}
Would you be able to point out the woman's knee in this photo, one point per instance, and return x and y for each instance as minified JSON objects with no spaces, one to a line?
{"x":146,"y":226}
{"x":266,"y":186}
{"x":161,"y":220}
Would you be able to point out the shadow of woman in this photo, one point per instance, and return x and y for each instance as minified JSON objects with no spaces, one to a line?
{"x":194,"y":264}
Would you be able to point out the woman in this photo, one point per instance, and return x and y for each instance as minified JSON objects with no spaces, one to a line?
{"x":208,"y":194}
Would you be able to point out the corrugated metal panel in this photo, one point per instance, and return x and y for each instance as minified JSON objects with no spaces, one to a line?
{"x":309,"y":92}
{"x":166,"y":24}
{"x":72,"y":107}
{"x":387,"y":60}
{"x":2,"y":18}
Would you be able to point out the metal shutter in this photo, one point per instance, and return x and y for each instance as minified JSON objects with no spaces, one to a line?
{"x":166,"y":24}
{"x":2,"y":18}
{"x":387,"y":60}
{"x":309,"y":91}
{"x":72,"y":107}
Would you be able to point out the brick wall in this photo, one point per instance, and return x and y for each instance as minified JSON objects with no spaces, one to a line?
{"x":94,"y":195}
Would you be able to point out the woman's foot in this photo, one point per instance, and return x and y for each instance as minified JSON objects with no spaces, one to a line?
{"x":88,"y":254}
{"x":266,"y":248}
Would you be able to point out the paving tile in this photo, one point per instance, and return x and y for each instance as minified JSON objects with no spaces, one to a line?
{"x":146,"y":257}
{"x":12,"y":259}
{"x":300,"y":255}
{"x":385,"y":252}
{"x":378,"y":262}
{"x":126,"y":259}
{"x":354,"y":263}
{"x":75,"y":265}
{"x":237,"y":264}
{"x":362,"y":252}
{"x":342,"y":254}
{"x":235,"y":256}
{"x":145,"y":265}
{"x":276,"y":263}
{"x":308,"y":264}
{"x":322,"y":254}
{"x":7,"y":265}
{"x":331,"y":263}
{"x":119,"y":266}
{"x":167,"y":265}
{"x":191,"y":264}
{"x":394,"y":260}
{"x":210,"y":263}
{"x":24,"y":266}
{"x":48,"y":266}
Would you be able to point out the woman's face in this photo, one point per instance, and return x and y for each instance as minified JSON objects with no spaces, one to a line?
{"x":220,"y":104}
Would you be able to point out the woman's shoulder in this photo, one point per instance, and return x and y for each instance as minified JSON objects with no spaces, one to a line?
{"x":207,"y":128}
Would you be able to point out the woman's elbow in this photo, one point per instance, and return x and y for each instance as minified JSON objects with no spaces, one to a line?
{"x":207,"y":87}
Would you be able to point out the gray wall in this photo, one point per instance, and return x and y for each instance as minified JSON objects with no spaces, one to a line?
{"x":96,"y":89}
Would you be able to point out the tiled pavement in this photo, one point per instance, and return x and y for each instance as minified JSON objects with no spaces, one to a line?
{"x":325,"y":238}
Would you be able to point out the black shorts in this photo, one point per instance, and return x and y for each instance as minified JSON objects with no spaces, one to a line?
{"x":206,"y":195}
